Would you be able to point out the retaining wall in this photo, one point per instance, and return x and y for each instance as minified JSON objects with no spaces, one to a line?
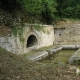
{"x":67,"y":34}
{"x":33,"y":39}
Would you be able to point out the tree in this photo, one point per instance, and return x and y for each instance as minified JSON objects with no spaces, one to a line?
{"x":41,"y":9}
{"x":68,"y":8}
{"x":49,"y":8}
{"x":32,"y":7}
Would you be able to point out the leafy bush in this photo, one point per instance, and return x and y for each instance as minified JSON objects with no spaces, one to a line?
{"x":68,"y":8}
{"x":41,"y":9}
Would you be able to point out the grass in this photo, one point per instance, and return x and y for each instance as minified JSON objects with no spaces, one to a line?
{"x":15,"y":67}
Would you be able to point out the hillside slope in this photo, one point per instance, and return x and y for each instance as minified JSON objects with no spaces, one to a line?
{"x":15,"y":67}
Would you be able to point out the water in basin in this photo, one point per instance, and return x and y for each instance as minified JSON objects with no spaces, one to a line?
{"x":59,"y":57}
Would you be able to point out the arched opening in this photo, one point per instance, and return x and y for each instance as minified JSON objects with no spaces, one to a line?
{"x":32,"y":41}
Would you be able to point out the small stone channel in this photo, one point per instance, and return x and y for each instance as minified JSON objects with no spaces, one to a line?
{"x":60,"y":57}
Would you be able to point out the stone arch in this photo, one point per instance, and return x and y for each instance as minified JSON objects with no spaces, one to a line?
{"x":32,"y":41}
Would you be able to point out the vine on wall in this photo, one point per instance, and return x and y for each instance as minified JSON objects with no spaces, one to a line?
{"x":17,"y":30}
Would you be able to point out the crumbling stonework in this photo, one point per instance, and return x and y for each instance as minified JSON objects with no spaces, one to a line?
{"x":33,"y":39}
{"x":67,"y":35}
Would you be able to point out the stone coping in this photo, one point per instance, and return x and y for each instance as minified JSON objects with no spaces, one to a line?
{"x":45,"y":53}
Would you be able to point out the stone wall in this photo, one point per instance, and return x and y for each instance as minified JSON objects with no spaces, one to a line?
{"x":70,"y":34}
{"x":8,"y":43}
{"x":33,"y":39}
{"x":41,"y":38}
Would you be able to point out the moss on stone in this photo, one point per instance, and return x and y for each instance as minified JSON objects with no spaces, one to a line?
{"x":17,"y":31}
{"x":38,"y":27}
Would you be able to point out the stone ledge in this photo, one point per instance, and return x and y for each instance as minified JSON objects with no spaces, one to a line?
{"x":74,"y":57}
{"x":39,"y":56}
{"x":44,"y":54}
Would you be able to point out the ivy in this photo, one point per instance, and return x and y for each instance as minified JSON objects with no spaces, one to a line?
{"x":17,"y":30}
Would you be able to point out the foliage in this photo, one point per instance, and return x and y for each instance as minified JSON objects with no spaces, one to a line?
{"x":38,"y":27}
{"x":17,"y":30}
{"x":45,"y":11}
{"x":33,"y":7}
{"x":41,"y":9}
{"x":48,"y":10}
{"x":68,"y":8}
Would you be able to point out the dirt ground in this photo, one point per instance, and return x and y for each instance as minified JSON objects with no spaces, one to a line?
{"x":16,"y":67}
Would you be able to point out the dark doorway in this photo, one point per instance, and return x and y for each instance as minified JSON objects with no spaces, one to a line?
{"x":32,"y":41}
